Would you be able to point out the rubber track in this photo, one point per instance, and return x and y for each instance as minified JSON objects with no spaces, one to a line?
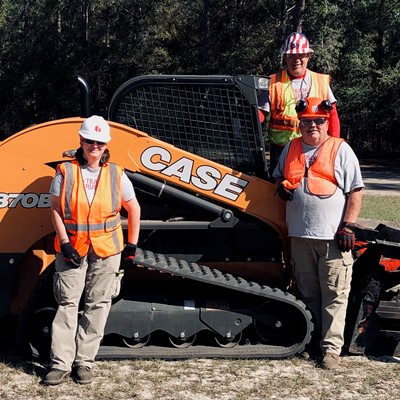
{"x":212,"y":276}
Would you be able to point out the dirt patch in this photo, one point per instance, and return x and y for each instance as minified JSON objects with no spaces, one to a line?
{"x":205,"y":379}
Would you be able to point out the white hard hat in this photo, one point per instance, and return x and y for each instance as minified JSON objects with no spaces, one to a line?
{"x":297,"y":43}
{"x":95,"y":128}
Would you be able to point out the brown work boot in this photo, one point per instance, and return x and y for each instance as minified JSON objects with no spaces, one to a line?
{"x":83,"y":375}
{"x":330,"y":361}
{"x":55,"y":377}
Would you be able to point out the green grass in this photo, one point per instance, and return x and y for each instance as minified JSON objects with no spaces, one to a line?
{"x":381,"y":208}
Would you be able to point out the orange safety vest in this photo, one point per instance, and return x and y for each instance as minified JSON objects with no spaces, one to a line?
{"x":321,"y":179}
{"x":283,"y":124}
{"x":97,"y":224}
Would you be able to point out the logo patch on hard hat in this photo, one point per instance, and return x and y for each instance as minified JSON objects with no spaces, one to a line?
{"x":97,"y":128}
{"x":314,"y":109}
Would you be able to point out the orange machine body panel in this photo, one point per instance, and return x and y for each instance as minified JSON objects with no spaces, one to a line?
{"x":137,"y":152}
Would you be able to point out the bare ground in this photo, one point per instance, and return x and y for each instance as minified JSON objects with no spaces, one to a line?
{"x":204,"y":379}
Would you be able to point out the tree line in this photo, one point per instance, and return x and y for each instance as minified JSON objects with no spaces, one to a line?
{"x":46,"y":44}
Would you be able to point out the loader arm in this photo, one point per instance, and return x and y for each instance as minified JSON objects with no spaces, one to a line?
{"x":136,"y":151}
{"x":25,"y":227}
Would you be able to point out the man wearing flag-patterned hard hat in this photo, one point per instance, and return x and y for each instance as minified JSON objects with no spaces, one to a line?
{"x":289,"y":86}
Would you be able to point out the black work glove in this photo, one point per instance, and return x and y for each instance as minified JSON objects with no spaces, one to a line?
{"x":346,"y":237}
{"x":284,"y":193}
{"x":128,"y":255}
{"x":71,"y":256}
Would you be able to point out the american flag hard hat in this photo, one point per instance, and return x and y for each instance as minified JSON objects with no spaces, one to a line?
{"x":296,"y":43}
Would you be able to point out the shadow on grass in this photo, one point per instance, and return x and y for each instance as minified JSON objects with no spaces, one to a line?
{"x":20,"y":358}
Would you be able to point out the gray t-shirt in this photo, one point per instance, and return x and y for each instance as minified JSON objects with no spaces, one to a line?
{"x":90,"y":176}
{"x":318,"y":217}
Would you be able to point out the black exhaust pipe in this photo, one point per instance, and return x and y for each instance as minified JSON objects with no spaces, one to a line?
{"x":86,"y":98}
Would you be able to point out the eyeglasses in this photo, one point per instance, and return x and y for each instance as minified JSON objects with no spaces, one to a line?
{"x":89,"y":141}
{"x":317,"y":121}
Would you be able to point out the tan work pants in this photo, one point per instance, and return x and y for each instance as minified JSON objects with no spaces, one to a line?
{"x":323,"y":276}
{"x":76,"y":338}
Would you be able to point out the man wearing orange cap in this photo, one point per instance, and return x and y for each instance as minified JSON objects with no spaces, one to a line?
{"x":320,"y":179}
{"x":288,"y":87}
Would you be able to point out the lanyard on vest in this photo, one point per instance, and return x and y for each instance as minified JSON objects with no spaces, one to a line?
{"x":309,"y":161}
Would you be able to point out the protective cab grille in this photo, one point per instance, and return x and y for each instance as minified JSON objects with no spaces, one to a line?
{"x":214,"y":117}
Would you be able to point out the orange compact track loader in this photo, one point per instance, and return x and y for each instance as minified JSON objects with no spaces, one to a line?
{"x":212,"y":278}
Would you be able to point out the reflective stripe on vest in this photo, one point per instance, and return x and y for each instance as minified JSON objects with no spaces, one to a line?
{"x":97,"y":224}
{"x":283,"y":124}
{"x":321,"y":179}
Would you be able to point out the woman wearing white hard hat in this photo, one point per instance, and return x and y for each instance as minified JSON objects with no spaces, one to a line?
{"x":86,"y":198}
{"x":289,"y":86}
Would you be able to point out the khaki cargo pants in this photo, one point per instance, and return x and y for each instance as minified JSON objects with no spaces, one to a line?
{"x":323,"y":277}
{"x":76,"y":338}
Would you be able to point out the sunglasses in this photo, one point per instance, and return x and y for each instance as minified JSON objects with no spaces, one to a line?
{"x":89,"y":141}
{"x":317,"y":121}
